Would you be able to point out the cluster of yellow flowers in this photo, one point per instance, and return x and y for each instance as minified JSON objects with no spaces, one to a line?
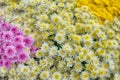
{"x":105,"y":9}
{"x":73,"y":45}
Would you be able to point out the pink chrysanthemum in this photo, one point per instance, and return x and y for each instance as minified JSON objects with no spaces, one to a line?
{"x":4,"y":26}
{"x":7,"y":63}
{"x":28,"y":41}
{"x":10,"y":51}
{"x":20,"y":47}
{"x":1,"y":63}
{"x":7,"y":43}
{"x":7,"y":36}
{"x":23,"y":56}
{"x":18,"y":39}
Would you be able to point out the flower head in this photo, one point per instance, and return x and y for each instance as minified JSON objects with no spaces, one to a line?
{"x":10,"y":51}
{"x":7,"y":36}
{"x":28,"y":41}
{"x":22,"y":56}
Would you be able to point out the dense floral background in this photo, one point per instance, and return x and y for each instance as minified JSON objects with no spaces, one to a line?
{"x":59,"y":40}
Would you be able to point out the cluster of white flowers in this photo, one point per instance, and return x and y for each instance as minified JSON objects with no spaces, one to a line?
{"x":73,"y":44}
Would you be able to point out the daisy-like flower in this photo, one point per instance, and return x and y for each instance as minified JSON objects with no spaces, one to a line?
{"x":53,"y":51}
{"x":44,"y":75}
{"x":45,"y":47}
{"x":101,"y":72}
{"x":57,"y":76}
{"x":78,"y":67}
{"x":67,"y":47}
{"x":87,"y":37}
{"x":44,"y":17}
{"x":56,"y":18}
{"x":85,"y":75}
{"x":117,"y":76}
{"x":39,"y":54}
{"x":44,"y":26}
{"x":43,"y":62}
{"x":62,"y":53}
{"x":59,"y":38}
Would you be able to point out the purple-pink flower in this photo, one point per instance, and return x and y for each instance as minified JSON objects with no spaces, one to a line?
{"x":28,"y":41}
{"x":19,"y":47}
{"x":23,"y":56}
{"x":4,"y":26}
{"x":10,"y":51}
{"x":7,"y":63}
{"x":7,"y":36}
{"x":18,"y":39}
{"x":1,"y":63}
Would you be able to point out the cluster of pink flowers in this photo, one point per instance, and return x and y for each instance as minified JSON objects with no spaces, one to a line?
{"x":13,"y":44}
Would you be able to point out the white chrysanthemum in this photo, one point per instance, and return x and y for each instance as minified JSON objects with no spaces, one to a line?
{"x":69,"y":62}
{"x":78,"y":67}
{"x":110,"y":33}
{"x":56,"y":76}
{"x":85,"y":17}
{"x":62,"y":32}
{"x":44,"y":17}
{"x":102,"y":72}
{"x":115,"y":44}
{"x":88,"y":28}
{"x":44,"y":75}
{"x":111,"y":64}
{"x":85,"y":75}
{"x":43,"y":62}
{"x":118,"y":36}
{"x":67,"y":47}
{"x":95,"y":61}
{"x":101,"y":51}
{"x":45,"y":47}
{"x":56,"y":18}
{"x":94,"y":74}
{"x":62,"y":53}
{"x":53,"y":51}
{"x":12,"y":71}
{"x":53,"y":6}
{"x":59,"y":38}
{"x":39,"y":54}
{"x":3,"y":70}
{"x":61,"y":64}
{"x":25,"y":70}
{"x":117,"y":76}
{"x":110,"y":44}
{"x":107,"y":57}
{"x":88,"y":44}
{"x":101,"y":35}
{"x":87,"y":37}
{"x":44,"y":26}
{"x":81,"y":56}
{"x":75,"y":38}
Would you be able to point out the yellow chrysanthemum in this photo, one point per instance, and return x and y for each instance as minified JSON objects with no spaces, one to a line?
{"x":105,"y":9}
